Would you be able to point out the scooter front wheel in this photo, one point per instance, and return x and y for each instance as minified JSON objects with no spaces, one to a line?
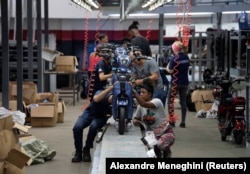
{"x":121,"y":116}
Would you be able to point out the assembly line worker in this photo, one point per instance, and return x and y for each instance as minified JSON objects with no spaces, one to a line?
{"x":178,"y":68}
{"x":94,"y":116}
{"x":101,"y":73}
{"x":103,"y":38}
{"x":125,"y":42}
{"x":94,"y":58}
{"x":151,"y":113}
{"x":148,"y":68}
{"x":139,"y":40}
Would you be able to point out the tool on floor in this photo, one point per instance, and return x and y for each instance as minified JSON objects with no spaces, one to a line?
{"x":101,"y":132}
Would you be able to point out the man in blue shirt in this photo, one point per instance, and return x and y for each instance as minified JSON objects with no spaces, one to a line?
{"x":102,"y":72}
{"x":178,"y":68}
{"x":94,"y":116}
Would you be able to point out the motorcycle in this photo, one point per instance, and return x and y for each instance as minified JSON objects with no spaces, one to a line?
{"x":122,"y":101}
{"x":231,"y":109}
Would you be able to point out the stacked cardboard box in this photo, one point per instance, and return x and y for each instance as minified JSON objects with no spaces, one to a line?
{"x":29,"y":90}
{"x":41,"y":109}
{"x":12,"y":105}
{"x":66,"y":63}
{"x":12,"y":160}
{"x":203,"y":99}
{"x":61,"y":109}
{"x":44,"y":111}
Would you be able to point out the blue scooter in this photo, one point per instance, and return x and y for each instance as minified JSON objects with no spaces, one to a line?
{"x":122,"y":104}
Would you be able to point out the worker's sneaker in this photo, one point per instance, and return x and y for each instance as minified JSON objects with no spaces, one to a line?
{"x":86,"y":154}
{"x":77,"y":157}
{"x":182,"y":125}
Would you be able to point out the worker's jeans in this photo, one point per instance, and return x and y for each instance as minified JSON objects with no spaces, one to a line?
{"x":82,"y":122}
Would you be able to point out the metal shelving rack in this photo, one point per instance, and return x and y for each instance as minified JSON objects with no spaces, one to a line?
{"x":247,"y":99}
{"x":240,"y":40}
{"x":13,"y":62}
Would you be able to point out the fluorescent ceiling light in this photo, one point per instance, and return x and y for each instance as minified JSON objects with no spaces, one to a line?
{"x":191,"y":14}
{"x":165,"y":14}
{"x":143,"y":14}
{"x":137,"y":15}
{"x":233,"y":12}
{"x":148,"y":3}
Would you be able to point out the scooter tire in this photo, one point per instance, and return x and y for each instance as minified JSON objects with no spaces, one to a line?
{"x":121,"y":126}
{"x":223,"y":137}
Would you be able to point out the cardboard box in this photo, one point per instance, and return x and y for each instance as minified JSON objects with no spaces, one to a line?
{"x":12,"y":105}
{"x":66,"y":63}
{"x":199,"y":96}
{"x":1,"y":166}
{"x":48,"y":97}
{"x":17,"y":158}
{"x":29,"y":91}
{"x":61,"y":110}
{"x":206,"y":106}
{"x":44,"y":115}
{"x":10,"y":168}
{"x":12,"y":160}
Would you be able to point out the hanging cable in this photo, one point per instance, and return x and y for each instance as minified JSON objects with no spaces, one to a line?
{"x":179,"y":17}
{"x":85,"y":51}
{"x":93,"y":73}
{"x":186,"y":25}
{"x":86,"y":40}
{"x":98,"y":26}
{"x":150,"y":23}
{"x":172,"y":117}
{"x":184,"y":32}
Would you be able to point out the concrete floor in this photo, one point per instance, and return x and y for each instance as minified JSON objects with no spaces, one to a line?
{"x":200,"y":138}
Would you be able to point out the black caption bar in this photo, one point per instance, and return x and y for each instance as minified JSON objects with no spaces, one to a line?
{"x":179,"y":165}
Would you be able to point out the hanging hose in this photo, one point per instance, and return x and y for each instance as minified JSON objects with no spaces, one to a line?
{"x":85,"y":51}
{"x":172,"y":117}
{"x":184,"y":28}
{"x":92,"y":75}
{"x":86,"y":40}
{"x":186,"y":25}
{"x":150,"y":22}
{"x":179,"y":18}
{"x":97,"y":26}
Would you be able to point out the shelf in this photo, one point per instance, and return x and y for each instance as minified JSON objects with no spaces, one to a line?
{"x":13,"y":62}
